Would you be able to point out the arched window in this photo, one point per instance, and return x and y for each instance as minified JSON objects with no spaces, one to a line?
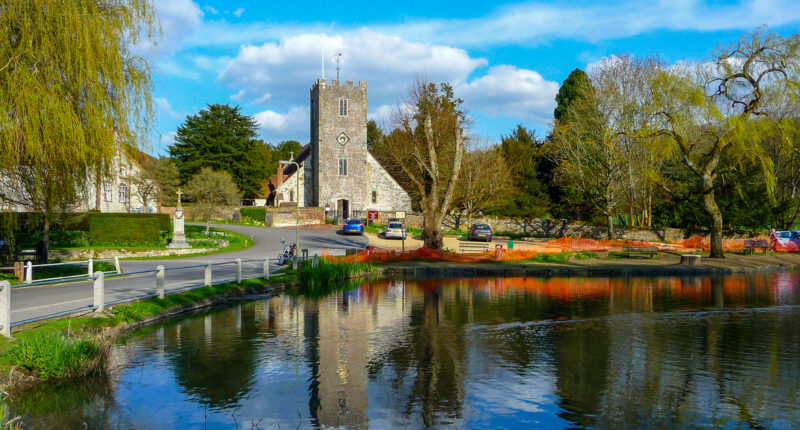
{"x":123,"y":193}
{"x":374,"y":196}
{"x":291,"y":195}
{"x":123,"y":171}
{"x":342,"y":107}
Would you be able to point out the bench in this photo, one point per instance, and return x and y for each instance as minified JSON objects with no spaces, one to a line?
{"x":750,"y":245}
{"x":465,"y":247}
{"x":649,"y":250}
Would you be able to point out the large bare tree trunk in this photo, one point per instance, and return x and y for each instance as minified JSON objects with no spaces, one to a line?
{"x":432,"y":231}
{"x":610,"y":226}
{"x":710,"y":205}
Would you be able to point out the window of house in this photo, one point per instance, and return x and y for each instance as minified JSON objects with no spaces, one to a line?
{"x":123,"y":171}
{"x":342,"y":166}
{"x":108,"y":195}
{"x":374,"y":197}
{"x":291,"y":195}
{"x":342,"y":107}
{"x":123,"y":193}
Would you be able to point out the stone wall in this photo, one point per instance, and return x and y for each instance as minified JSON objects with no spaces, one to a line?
{"x":286,"y":217}
{"x":390,"y":195}
{"x":558,"y":228}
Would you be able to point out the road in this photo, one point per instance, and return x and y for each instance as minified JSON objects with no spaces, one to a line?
{"x":37,"y":301}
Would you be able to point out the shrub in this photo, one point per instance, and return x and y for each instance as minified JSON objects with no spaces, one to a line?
{"x":124,"y":230}
{"x":164,"y":220}
{"x":54,"y":356}
{"x":321,"y":279}
{"x":255,"y":214}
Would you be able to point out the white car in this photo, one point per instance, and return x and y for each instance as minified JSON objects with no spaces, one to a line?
{"x":395,"y":230}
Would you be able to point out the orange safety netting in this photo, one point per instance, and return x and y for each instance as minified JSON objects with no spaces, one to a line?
{"x":564,"y":244}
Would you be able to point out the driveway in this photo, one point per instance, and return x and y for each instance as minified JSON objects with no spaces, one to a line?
{"x":32,"y":302}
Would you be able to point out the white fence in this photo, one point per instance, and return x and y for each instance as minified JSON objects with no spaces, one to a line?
{"x":158,"y":281}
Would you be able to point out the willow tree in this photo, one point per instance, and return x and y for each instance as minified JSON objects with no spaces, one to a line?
{"x":73,"y":94}
{"x":717,"y":113}
{"x":425,"y":152}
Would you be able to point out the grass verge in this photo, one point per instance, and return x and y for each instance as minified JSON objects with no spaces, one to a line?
{"x":67,"y":348}
{"x":236,"y":242}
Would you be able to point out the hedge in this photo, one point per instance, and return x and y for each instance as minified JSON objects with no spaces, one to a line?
{"x":124,"y":230}
{"x":164,"y":220}
{"x":258,"y":214}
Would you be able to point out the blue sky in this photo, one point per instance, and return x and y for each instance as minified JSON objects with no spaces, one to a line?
{"x":505,"y":59}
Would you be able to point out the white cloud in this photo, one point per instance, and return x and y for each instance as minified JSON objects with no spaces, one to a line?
{"x":276,"y":126}
{"x":532,"y":23}
{"x":279,"y":72}
{"x":511,"y":92}
{"x":164,"y":107}
{"x":210,"y":10}
{"x":178,"y":19}
{"x":168,"y":139}
{"x":238,"y":12}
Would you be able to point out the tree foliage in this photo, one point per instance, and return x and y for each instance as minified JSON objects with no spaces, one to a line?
{"x":72,"y":92}
{"x":212,"y":190}
{"x":528,"y":198}
{"x":222,"y":138}
{"x":570,"y":91}
{"x":426,"y":150}
{"x":483,"y":185}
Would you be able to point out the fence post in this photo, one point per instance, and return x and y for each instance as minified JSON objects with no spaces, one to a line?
{"x":116,"y":265}
{"x":28,"y":272}
{"x":160,"y":281}
{"x":99,"y":291}
{"x":266,"y":268}
{"x":208,"y":274}
{"x":294,"y":264}
{"x":5,"y":308}
{"x":316,"y":261}
{"x":238,"y":270}
{"x":90,"y":266}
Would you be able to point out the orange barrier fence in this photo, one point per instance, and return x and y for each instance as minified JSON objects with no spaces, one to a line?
{"x":563,"y":244}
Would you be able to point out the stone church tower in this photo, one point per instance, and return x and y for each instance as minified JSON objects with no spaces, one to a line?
{"x":337,"y":172}
{"x":339,"y":144}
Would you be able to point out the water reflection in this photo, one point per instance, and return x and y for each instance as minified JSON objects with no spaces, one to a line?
{"x":500,"y":352}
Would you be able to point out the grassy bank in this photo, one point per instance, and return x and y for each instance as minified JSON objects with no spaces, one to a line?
{"x":196,"y":236}
{"x":66,"y":348}
{"x":323,"y":278}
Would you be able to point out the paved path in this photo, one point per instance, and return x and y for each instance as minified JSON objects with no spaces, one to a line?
{"x":31,"y":302}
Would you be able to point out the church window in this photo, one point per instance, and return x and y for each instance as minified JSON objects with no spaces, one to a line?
{"x":123,"y":193}
{"x":291,"y":195}
{"x":374,"y":197}
{"x":343,"y":166}
{"x":342,"y":107}
{"x":108,"y":195}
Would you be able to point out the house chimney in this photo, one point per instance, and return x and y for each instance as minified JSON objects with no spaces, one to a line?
{"x":279,"y":178}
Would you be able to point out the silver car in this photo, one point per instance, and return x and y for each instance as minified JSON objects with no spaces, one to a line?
{"x":395,"y":230}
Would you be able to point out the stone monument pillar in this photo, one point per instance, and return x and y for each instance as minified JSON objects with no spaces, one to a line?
{"x":178,"y":232}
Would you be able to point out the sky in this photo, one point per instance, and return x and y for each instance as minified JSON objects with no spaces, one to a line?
{"x":506,"y":60}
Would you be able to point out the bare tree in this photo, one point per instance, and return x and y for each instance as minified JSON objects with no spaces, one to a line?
{"x":211,"y":190}
{"x":426,"y":149}
{"x":485,"y":183}
{"x":707,"y":112}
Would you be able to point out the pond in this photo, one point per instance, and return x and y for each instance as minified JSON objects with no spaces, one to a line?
{"x":466,"y":353}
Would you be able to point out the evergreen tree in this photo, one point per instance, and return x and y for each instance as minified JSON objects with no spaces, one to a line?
{"x":569,"y":91}
{"x":522,"y":151}
{"x":222,"y":138}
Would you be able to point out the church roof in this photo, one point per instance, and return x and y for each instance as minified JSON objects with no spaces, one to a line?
{"x":304,"y":153}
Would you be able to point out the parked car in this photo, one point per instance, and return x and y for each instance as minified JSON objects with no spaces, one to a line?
{"x":787,"y":237}
{"x":395,"y":230}
{"x":353,"y":226}
{"x":480,"y":232}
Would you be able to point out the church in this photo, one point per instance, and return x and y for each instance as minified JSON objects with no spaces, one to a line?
{"x":337,"y":172}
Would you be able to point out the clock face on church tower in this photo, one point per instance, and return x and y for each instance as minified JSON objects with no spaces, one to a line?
{"x":342,"y":139}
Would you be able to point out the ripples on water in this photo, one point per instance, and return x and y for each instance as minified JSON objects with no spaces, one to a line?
{"x":488,"y":353}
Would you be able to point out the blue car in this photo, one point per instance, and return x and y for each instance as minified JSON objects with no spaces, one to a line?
{"x":353,"y":226}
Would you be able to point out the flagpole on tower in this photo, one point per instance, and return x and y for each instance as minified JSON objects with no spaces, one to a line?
{"x":322,"y":53}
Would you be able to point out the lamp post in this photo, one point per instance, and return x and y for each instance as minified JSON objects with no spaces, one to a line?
{"x":297,"y":206}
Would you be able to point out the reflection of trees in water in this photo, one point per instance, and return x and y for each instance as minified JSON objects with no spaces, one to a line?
{"x":214,"y":356}
{"x":429,"y":364}
{"x":83,"y":403}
